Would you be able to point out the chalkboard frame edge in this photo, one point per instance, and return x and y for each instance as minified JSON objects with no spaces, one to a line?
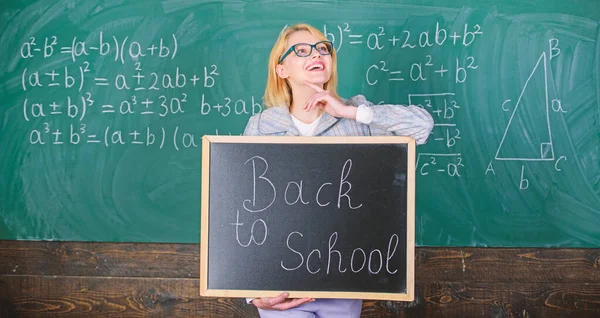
{"x":239,"y":293}
{"x":410,"y":218}
{"x":409,"y":141}
{"x":204,"y":195}
{"x":408,"y":295}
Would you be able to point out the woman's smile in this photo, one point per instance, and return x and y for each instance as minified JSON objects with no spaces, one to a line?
{"x":315,"y":66}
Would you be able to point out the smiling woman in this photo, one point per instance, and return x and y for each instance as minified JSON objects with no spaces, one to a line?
{"x":302,"y":97}
{"x":306,"y":65}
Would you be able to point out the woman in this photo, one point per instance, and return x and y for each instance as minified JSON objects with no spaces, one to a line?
{"x":301,"y":100}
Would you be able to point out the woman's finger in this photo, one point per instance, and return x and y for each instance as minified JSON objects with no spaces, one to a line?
{"x":272,"y":301}
{"x":317,"y":98}
{"x":292,"y":303}
{"x":323,"y":101}
{"x":308,"y":105}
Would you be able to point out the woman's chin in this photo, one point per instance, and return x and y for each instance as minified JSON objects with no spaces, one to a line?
{"x":318,"y":80}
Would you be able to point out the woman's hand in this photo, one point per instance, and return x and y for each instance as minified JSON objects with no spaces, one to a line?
{"x":330,"y":104}
{"x":280,"y":302}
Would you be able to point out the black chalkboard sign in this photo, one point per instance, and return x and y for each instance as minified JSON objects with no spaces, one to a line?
{"x":323,"y":217}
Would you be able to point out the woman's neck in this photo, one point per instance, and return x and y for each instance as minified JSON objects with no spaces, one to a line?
{"x":299,"y":97}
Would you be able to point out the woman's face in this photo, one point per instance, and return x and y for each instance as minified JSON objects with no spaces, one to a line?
{"x":315,"y":68}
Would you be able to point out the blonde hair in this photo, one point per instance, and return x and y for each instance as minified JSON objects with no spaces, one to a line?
{"x":278,"y":91}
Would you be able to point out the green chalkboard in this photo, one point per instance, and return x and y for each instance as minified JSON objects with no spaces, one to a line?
{"x":103,"y":105}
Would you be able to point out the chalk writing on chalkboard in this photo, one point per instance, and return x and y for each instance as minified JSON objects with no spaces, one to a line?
{"x":540,"y":140}
{"x":161,"y":94}
{"x":149,"y":94}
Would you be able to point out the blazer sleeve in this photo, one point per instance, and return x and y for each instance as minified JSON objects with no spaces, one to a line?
{"x":252,"y":126}
{"x":398,"y":120}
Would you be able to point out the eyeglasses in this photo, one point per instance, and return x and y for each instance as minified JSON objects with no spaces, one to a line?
{"x":305,"y":49}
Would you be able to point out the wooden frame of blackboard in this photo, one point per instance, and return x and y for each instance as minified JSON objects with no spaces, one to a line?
{"x":410,"y":213}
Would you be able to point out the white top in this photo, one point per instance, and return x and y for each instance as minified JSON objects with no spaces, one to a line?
{"x":306,"y":129}
{"x":364,"y":115}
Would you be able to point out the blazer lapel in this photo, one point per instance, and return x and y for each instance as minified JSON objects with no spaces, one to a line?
{"x":325,"y":123}
{"x":277,"y":121}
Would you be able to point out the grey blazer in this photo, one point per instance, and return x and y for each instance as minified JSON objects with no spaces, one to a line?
{"x":388,"y":120}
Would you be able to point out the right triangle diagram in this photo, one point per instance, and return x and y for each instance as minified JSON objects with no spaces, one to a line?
{"x":527,"y":136}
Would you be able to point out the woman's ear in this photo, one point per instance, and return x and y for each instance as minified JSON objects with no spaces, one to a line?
{"x":281,"y":71}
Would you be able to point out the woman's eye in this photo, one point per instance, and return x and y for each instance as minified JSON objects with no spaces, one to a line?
{"x":301,"y":51}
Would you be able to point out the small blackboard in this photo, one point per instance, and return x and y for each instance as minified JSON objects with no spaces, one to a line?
{"x":322,"y":217}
